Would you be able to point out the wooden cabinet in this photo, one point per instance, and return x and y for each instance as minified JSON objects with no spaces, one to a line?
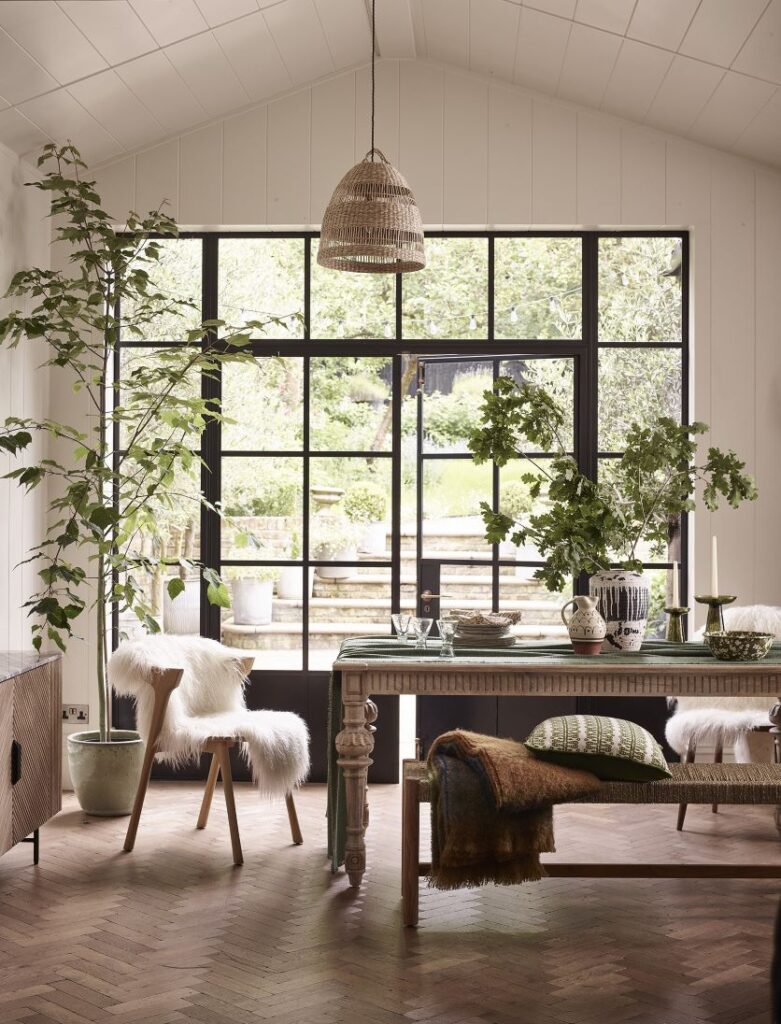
{"x":30,"y":744}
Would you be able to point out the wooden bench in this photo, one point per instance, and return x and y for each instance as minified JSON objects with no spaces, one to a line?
{"x":690,"y":784}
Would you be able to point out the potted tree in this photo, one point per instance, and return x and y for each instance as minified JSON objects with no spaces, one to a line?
{"x":113,"y":477}
{"x":599,"y":527}
{"x":365,"y":505}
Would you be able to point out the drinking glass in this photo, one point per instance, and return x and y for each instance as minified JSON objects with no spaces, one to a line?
{"x":447,"y":630}
{"x":401,"y":624}
{"x":421,"y":628}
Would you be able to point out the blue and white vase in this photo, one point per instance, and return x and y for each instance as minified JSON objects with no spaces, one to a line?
{"x":623,"y":602}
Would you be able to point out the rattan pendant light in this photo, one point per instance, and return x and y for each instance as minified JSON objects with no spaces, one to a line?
{"x":372,"y":224}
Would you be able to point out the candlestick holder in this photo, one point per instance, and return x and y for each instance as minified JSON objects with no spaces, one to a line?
{"x":674,"y":631}
{"x":715,"y":620}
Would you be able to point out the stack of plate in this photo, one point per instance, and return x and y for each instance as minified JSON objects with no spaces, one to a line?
{"x":484,"y":631}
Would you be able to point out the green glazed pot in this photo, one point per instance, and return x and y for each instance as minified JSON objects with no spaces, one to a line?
{"x":105,"y":775}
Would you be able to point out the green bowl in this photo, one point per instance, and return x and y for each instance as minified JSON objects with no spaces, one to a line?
{"x":739,"y":644}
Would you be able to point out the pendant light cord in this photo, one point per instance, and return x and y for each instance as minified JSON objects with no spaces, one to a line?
{"x":374,"y":9}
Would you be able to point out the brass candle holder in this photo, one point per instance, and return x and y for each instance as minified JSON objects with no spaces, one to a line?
{"x":714,"y":623}
{"x":674,"y":631}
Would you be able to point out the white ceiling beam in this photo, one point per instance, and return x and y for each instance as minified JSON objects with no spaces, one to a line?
{"x":395,"y":34}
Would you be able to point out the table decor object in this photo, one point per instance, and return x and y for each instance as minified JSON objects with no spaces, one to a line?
{"x":714,"y":623}
{"x":401,"y":624}
{"x":420,"y":630}
{"x":447,"y":631}
{"x":619,"y":521}
{"x":739,"y":644}
{"x":485,"y":629}
{"x":586,"y":627}
{"x":674,"y":632}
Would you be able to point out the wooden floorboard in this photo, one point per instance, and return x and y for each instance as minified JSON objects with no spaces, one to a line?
{"x":174,"y":933}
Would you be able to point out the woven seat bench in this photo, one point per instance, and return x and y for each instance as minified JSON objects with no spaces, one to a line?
{"x":690,"y":784}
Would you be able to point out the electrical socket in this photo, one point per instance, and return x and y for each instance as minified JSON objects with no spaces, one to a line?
{"x":76,"y":713}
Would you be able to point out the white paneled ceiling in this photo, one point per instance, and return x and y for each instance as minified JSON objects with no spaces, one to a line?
{"x":116,"y":75}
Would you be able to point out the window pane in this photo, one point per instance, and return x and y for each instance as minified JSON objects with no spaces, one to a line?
{"x":451,"y":403}
{"x":557,"y":377}
{"x":260,"y":276}
{"x":516,"y":501}
{"x":262,"y":502}
{"x":351,"y":509}
{"x":540,"y":610}
{"x":538,"y":288}
{"x":357,"y":604}
{"x":452,"y":492}
{"x":639,"y":289}
{"x":350,"y":404}
{"x":145,"y":373}
{"x":177,"y":274}
{"x":636,"y":386}
{"x":266,"y":614}
{"x":449,"y":299}
{"x":265,"y":402}
{"x":609,"y":471}
{"x":349,"y":306}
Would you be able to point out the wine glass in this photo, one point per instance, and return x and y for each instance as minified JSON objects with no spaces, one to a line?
{"x":421,"y":628}
{"x":401,"y":624}
{"x":447,"y":630}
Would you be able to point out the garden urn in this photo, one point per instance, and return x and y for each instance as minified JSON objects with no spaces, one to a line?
{"x":585,"y":625}
{"x":623,"y":601}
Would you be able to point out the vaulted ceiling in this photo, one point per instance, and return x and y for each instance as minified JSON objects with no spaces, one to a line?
{"x":117,"y":75}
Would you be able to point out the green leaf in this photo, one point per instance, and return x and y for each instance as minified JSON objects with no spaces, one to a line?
{"x":175,"y":586}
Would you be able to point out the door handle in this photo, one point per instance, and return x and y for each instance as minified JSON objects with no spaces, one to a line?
{"x":16,"y":762}
{"x":428,"y":596}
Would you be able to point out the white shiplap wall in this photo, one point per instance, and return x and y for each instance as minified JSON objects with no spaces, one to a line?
{"x":24,"y":391}
{"x":478,"y":153}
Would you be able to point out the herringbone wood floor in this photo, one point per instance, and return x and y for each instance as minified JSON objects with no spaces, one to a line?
{"x":173,"y":932}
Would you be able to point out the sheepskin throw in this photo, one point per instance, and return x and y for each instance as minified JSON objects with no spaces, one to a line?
{"x":209,"y":702}
{"x":728,"y":720}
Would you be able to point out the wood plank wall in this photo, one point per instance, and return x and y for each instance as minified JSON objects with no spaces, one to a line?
{"x":479,"y":153}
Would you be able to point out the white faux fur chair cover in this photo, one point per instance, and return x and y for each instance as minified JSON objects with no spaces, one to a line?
{"x":209,"y":702}
{"x":710,"y":719}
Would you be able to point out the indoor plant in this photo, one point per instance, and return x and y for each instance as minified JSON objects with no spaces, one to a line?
{"x":366,"y":505}
{"x":598,"y":527}
{"x":114,"y":474}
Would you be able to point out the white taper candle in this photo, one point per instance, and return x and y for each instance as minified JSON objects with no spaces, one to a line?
{"x":714,"y":568}
{"x":676,"y":595}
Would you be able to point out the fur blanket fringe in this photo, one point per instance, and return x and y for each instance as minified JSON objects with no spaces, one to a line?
{"x":209,"y":701}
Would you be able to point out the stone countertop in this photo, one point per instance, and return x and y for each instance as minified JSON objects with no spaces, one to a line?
{"x":14,"y":663}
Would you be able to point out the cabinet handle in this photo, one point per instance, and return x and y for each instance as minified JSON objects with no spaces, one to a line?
{"x":16,"y":762}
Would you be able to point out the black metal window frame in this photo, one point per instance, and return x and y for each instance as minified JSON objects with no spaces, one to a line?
{"x":584,"y":353}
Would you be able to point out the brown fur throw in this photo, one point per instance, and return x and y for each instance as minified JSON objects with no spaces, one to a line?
{"x":491,"y":809}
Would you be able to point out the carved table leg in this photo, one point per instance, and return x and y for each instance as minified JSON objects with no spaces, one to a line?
{"x":775,"y":732}
{"x":354,"y":745}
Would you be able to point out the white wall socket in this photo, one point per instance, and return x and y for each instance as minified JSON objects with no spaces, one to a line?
{"x":77,"y":714}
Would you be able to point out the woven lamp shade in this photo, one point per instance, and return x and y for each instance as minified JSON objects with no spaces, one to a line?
{"x":372,"y":224}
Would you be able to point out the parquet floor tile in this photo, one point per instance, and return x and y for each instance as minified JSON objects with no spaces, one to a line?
{"x":173,"y":933}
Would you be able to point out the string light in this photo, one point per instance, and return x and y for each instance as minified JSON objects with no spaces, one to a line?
{"x":513,"y":315}
{"x":472,"y":322}
{"x":433,"y":327}
{"x":387,"y":330}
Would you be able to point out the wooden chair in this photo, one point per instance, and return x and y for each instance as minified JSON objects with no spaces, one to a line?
{"x":163,"y":682}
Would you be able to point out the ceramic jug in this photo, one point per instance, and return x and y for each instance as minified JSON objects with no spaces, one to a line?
{"x":585,"y":625}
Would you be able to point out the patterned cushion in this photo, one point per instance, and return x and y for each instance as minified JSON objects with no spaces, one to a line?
{"x":609,"y":747}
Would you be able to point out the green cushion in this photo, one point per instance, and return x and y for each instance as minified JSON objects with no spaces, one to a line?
{"x":609,"y":747}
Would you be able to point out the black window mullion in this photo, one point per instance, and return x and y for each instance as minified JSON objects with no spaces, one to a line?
{"x":211,"y":441}
{"x":306,"y":439}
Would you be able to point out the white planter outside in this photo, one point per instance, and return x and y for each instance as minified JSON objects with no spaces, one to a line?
{"x":182,"y":615}
{"x":338,"y":572}
{"x":289,"y":584}
{"x":374,"y":539}
{"x":252,"y":602}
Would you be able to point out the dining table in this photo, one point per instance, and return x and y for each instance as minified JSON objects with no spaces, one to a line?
{"x":373,"y":666}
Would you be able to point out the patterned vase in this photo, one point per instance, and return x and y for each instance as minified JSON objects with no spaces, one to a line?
{"x":623,"y":601}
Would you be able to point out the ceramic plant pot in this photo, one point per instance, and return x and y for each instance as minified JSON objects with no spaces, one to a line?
{"x":623,"y":602}
{"x":586,"y":627}
{"x":105,"y":775}
{"x":290,"y":585}
{"x":252,"y":602}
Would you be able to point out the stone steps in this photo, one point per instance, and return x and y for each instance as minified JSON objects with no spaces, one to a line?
{"x":366,"y":583}
{"x":280,"y":636}
{"x":378,"y":608}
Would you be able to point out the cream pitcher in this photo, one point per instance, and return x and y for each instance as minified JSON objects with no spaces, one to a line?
{"x":585,"y":625}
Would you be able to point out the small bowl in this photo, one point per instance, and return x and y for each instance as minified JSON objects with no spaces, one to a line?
{"x":739,"y":644}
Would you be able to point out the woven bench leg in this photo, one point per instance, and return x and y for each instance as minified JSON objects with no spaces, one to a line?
{"x":691,"y":750}
{"x":410,"y":852}
{"x":718,"y":757}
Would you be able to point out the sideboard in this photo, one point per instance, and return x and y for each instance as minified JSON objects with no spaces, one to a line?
{"x":30,"y":745}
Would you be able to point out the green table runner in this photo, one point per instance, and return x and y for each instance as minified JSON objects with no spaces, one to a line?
{"x":377,"y":648}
